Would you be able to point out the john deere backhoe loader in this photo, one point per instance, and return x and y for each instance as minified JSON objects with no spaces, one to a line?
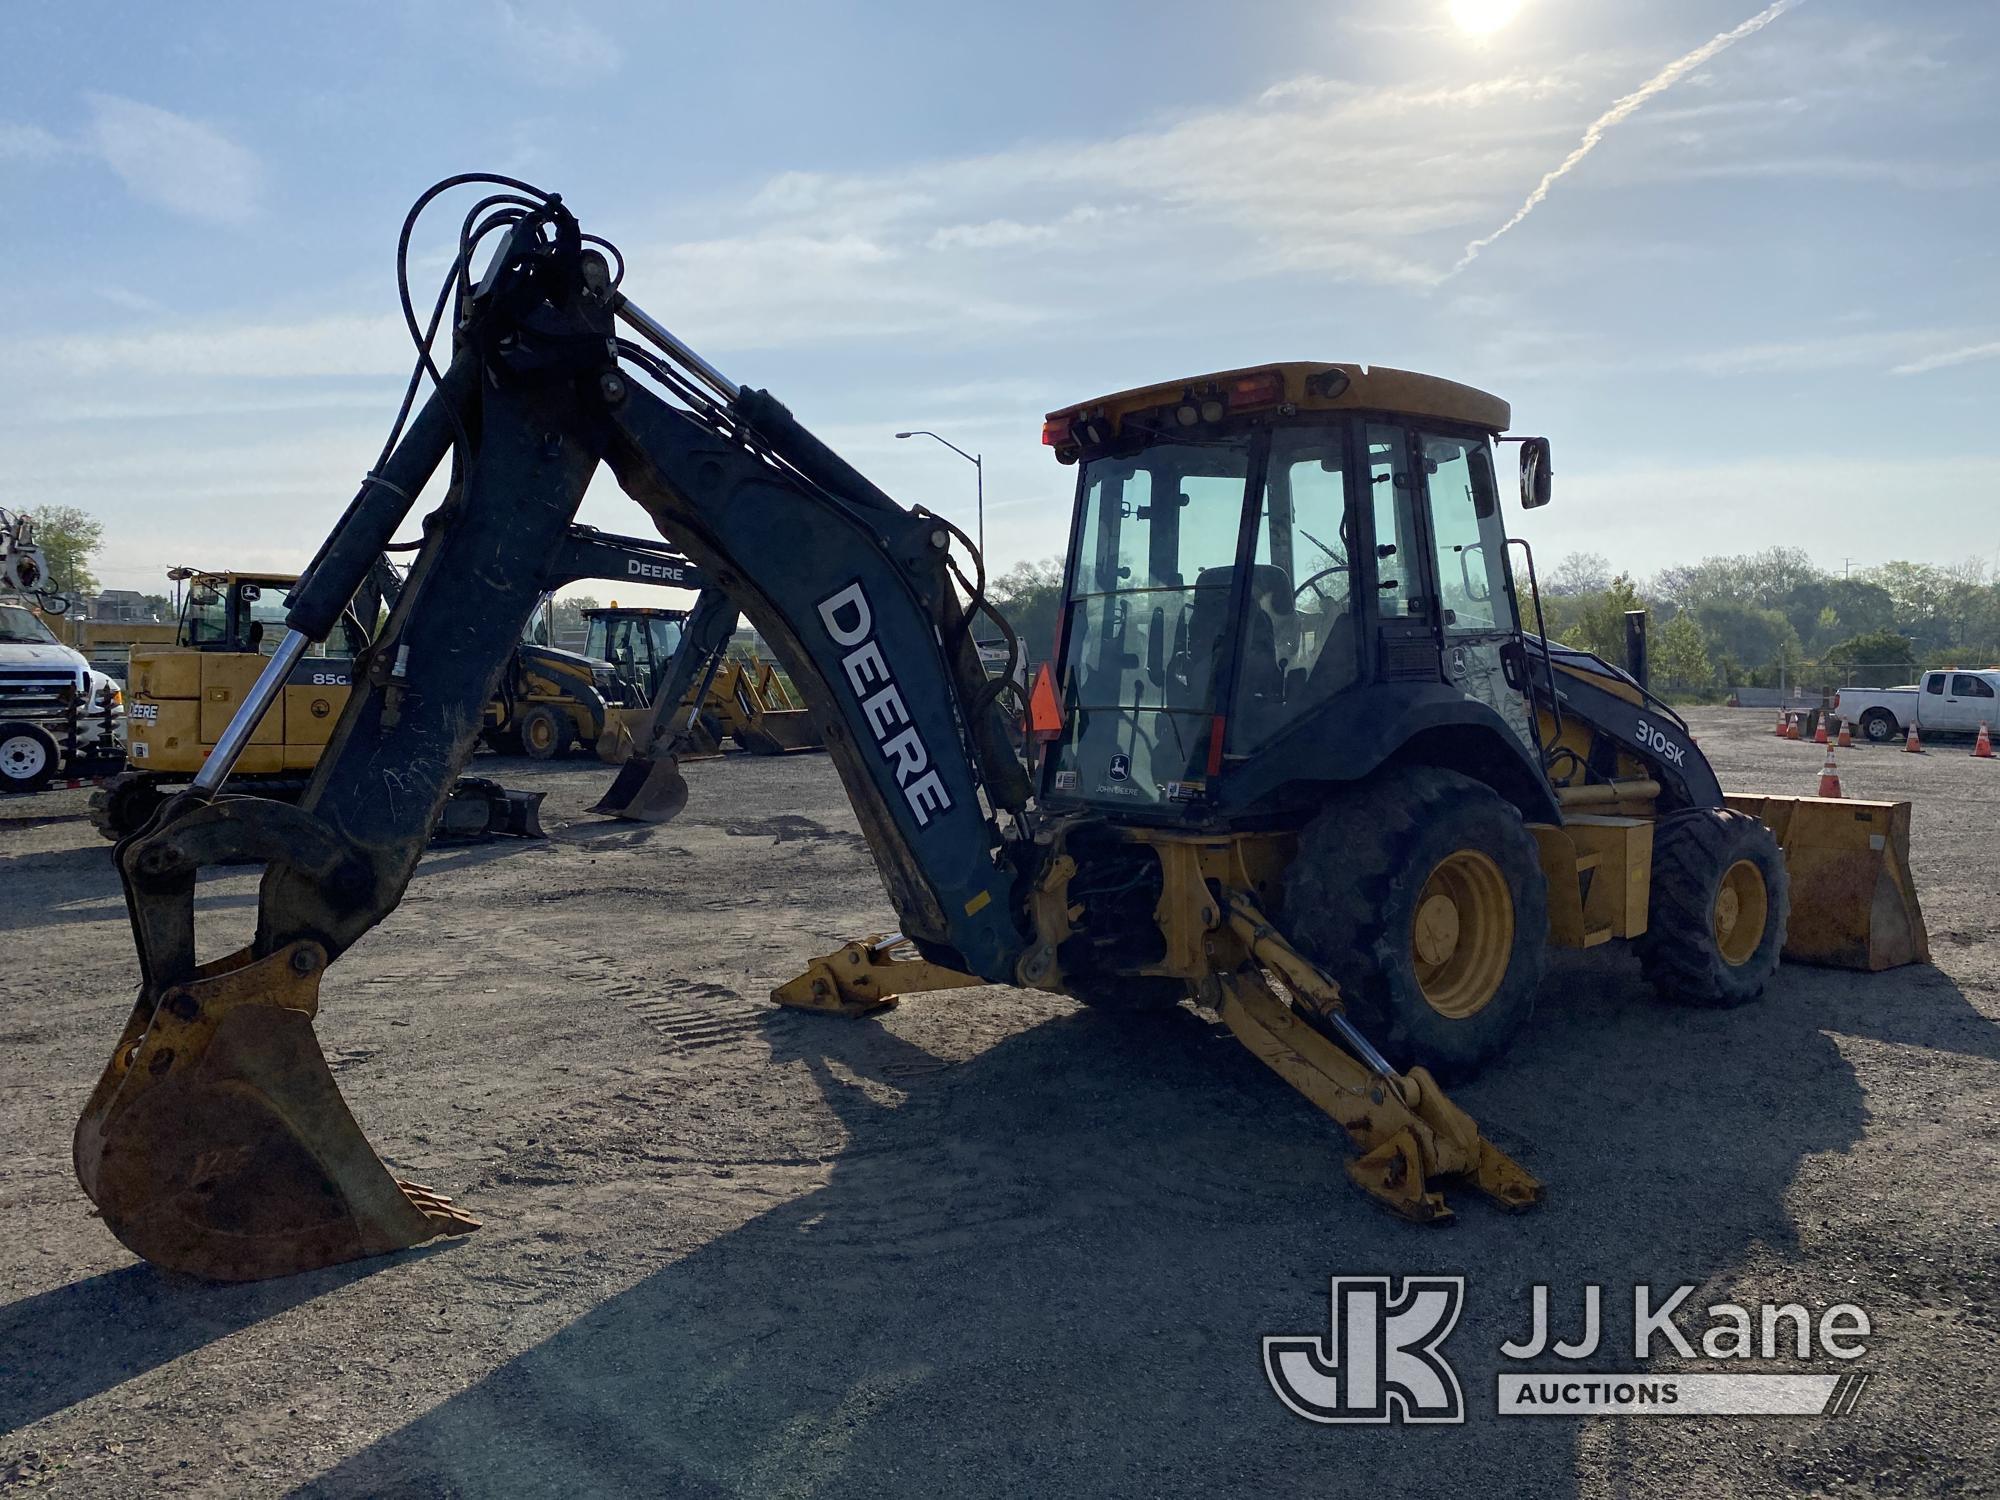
{"x":1309,"y":770}
{"x":745,"y":700}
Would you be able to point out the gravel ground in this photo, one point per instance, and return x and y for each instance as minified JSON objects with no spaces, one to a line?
{"x":988,"y":1244}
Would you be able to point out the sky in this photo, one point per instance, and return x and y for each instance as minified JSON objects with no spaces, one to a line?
{"x":1751,"y":300}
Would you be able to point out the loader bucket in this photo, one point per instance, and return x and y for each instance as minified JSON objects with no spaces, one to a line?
{"x":217,"y":1144}
{"x":1854,"y":905}
{"x":776,"y":733}
{"x":647,"y":789}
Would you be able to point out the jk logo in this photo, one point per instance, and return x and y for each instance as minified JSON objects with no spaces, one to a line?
{"x":1379,"y":1360}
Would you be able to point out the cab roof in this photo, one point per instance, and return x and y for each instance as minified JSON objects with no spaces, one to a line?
{"x":1302,"y":385}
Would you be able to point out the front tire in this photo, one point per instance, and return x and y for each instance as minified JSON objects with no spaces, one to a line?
{"x":1720,"y":901}
{"x":1421,"y":893}
{"x":544,"y":734}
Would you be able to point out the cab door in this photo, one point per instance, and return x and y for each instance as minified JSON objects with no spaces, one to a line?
{"x":1404,"y":623}
{"x":1472,"y":587}
{"x":1969,"y":702}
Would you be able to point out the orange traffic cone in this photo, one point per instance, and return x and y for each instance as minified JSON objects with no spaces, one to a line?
{"x":1829,"y":778}
{"x":1983,"y":746}
{"x":1792,"y":731}
{"x":1911,"y":743}
{"x":1781,"y":724}
{"x":1819,"y":731}
{"x":1846,"y":737}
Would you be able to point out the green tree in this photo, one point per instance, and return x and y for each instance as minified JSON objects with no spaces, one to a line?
{"x":1578,"y":574}
{"x":1762,"y":639}
{"x":1877,"y":647}
{"x":69,"y":539}
{"x":1681,"y":658}
{"x":1029,"y":596}
{"x":1595,"y":621}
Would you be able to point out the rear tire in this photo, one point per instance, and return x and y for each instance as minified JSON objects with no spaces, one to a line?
{"x":28,"y":757}
{"x":1721,"y":898}
{"x":544,"y":733}
{"x":1878,"y":725}
{"x":1421,"y":893}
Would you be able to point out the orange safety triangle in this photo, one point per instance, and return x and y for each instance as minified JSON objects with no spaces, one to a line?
{"x":1044,"y":714}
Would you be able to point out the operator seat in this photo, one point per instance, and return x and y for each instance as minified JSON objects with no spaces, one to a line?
{"x":1260,"y":676}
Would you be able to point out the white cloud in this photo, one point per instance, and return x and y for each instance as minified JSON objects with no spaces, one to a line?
{"x":177,"y":163}
{"x":28,"y":143}
{"x":318,"y":346}
{"x":1946,"y":358}
{"x":557,"y":46}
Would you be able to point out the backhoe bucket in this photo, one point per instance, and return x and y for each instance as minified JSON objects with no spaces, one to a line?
{"x":1854,"y":905}
{"x":647,"y":789}
{"x":217,"y":1144}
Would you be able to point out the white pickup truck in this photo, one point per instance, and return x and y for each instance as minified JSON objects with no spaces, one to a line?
{"x":1952,"y":701}
{"x":58,"y":714}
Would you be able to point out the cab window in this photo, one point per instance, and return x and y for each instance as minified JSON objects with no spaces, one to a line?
{"x":1300,"y":642}
{"x":1966,"y":686}
{"x":1149,"y":619}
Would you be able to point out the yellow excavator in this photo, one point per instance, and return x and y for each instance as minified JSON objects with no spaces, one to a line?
{"x":1306,"y":765}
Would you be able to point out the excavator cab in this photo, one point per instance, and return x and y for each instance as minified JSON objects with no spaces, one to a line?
{"x":1270,"y":582}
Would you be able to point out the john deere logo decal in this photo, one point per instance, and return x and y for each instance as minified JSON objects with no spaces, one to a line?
{"x":1121,"y":767}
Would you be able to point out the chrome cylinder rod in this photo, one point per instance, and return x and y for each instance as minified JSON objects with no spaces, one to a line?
{"x":1359,"y":1045}
{"x":256,"y":703}
{"x":663,"y":339}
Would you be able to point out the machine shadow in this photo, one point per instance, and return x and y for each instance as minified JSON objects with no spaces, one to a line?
{"x":64,"y":1346}
{"x":1046,"y":1270}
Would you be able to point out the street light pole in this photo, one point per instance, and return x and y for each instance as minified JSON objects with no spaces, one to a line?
{"x":979,"y":471}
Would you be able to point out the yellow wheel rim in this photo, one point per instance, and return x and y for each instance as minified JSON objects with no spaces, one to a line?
{"x":1742,"y":907}
{"x":541,"y":732}
{"x":1462,"y":935}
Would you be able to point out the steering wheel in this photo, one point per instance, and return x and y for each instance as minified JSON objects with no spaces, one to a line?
{"x":1312,"y":583}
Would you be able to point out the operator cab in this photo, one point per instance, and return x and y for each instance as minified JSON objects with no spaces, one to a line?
{"x":638,"y":643}
{"x":244,"y":612}
{"x":1252,"y":550}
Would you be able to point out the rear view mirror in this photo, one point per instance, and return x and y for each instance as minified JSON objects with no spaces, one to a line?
{"x":1535,"y":472}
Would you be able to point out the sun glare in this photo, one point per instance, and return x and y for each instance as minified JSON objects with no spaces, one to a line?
{"x":1483,"y":17}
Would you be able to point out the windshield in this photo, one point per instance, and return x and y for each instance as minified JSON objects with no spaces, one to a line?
{"x":1149,"y":620}
{"x":20,"y":627}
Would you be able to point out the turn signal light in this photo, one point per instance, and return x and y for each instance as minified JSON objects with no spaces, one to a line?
{"x":1055,"y":431}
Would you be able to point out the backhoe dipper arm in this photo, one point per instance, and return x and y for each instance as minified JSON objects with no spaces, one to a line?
{"x":216,"y":1141}
{"x":850,"y":589}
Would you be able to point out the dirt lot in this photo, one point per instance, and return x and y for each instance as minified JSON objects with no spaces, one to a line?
{"x":990,"y":1243}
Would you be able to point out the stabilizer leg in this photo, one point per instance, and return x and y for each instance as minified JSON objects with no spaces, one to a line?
{"x":1408,"y":1136}
{"x":866,"y":975}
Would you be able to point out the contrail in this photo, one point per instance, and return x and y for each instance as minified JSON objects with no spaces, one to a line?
{"x":1659,"y":83}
